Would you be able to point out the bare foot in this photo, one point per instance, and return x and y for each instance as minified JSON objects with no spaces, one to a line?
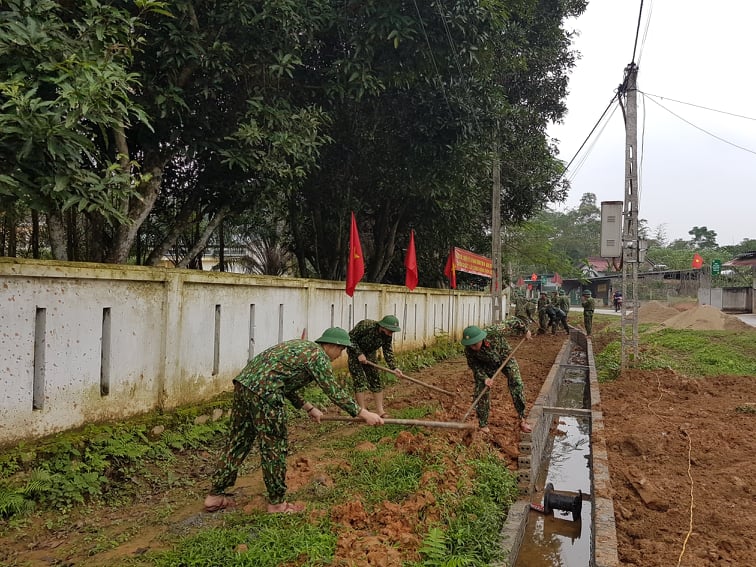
{"x":216,"y":502}
{"x":285,"y":508}
{"x":525,"y":427}
{"x":485,"y":429}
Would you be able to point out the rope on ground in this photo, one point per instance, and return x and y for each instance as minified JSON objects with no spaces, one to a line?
{"x":690,"y":524}
{"x":690,"y":475}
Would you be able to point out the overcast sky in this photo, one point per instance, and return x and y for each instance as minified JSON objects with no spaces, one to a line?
{"x":698,"y":52}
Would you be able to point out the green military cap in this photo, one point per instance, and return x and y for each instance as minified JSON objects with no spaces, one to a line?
{"x":335,"y":336}
{"x":390,"y":323}
{"x":472,"y":334}
{"x":587,"y":292}
{"x":561,"y":292}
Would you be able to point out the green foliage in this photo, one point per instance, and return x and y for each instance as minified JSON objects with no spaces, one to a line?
{"x":98,"y":463}
{"x":382,"y":474}
{"x":435,"y":552}
{"x":609,"y":361}
{"x":269,"y":540}
{"x":473,"y":518}
{"x":441,"y":349}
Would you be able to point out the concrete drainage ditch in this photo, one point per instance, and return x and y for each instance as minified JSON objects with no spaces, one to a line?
{"x":567,"y":451}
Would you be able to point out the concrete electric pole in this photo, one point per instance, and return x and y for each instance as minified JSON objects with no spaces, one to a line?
{"x":632,"y":254}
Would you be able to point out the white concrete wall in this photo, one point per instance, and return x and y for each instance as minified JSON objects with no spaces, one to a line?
{"x":164,"y":337}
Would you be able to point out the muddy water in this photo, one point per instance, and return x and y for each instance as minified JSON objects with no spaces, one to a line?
{"x":556,"y":539}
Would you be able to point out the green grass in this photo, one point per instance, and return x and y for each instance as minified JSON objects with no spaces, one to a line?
{"x":259,"y":540}
{"x":697,"y":354}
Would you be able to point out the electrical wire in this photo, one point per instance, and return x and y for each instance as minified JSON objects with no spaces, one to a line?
{"x":697,"y":106}
{"x":702,"y":129}
{"x":588,"y":137}
{"x":645,"y":31}
{"x":574,"y":173}
{"x":637,"y":31}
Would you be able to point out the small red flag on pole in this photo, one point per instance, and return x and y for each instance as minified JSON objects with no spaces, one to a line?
{"x":450,"y":270}
{"x":410,"y":262}
{"x":697,"y":262}
{"x":520,"y":282}
{"x":355,"y":262}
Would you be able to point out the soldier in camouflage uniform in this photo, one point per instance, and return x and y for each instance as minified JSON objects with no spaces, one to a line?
{"x":521,"y":306}
{"x":543,"y":316}
{"x":563,"y":302}
{"x":258,"y":411}
{"x":485,"y":350}
{"x":589,"y":305}
{"x":367,"y":337}
{"x":531,"y":309}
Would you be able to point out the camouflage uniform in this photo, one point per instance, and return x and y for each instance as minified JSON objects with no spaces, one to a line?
{"x":589,"y":305}
{"x":563,"y":302}
{"x":543,"y":316}
{"x":530,"y":310}
{"x":516,"y":326}
{"x":367,"y":338}
{"x":521,"y":308}
{"x":486,"y":361}
{"x":258,"y":410}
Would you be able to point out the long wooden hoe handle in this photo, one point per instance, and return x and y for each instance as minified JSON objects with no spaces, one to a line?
{"x":503,"y":364}
{"x":379,"y":367}
{"x":418,"y":422}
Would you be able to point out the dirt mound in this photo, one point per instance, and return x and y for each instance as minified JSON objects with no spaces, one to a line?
{"x":705,"y":318}
{"x":655,"y":312}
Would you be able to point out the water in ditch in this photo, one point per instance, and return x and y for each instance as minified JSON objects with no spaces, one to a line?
{"x":558,"y":539}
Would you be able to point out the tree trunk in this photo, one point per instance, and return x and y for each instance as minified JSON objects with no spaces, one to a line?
{"x":35,"y":234}
{"x":58,"y":239}
{"x":181,"y":222}
{"x":204,"y":237}
{"x":139,"y":209}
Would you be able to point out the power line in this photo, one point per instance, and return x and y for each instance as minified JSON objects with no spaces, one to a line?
{"x":702,"y":129}
{"x":637,"y":31}
{"x":588,"y":137}
{"x":697,"y":105}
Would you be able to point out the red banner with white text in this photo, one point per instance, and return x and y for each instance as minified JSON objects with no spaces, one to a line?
{"x":465,"y":261}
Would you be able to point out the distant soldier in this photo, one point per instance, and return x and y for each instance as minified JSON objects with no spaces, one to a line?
{"x":521,"y":306}
{"x":530,"y":310}
{"x":589,"y":306}
{"x":557,"y":318}
{"x":543,"y":316}
{"x":563,"y":302}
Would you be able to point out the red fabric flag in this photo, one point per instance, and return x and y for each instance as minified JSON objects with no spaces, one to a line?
{"x":557,"y":279}
{"x":534,"y":277}
{"x":355,"y":262}
{"x":697,"y":262}
{"x":410,"y":262}
{"x":520,"y":282}
{"x":450,"y":271}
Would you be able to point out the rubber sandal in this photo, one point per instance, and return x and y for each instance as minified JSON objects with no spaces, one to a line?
{"x":224,"y":504}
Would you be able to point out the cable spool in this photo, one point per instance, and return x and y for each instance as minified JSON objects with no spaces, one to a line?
{"x":565,"y":501}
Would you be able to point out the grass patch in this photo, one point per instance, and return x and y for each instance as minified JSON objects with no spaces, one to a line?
{"x":261,"y":540}
{"x":688,"y":352}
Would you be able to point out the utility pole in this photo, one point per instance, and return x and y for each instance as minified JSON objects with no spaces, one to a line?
{"x":497,"y":314}
{"x":631,"y":245}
